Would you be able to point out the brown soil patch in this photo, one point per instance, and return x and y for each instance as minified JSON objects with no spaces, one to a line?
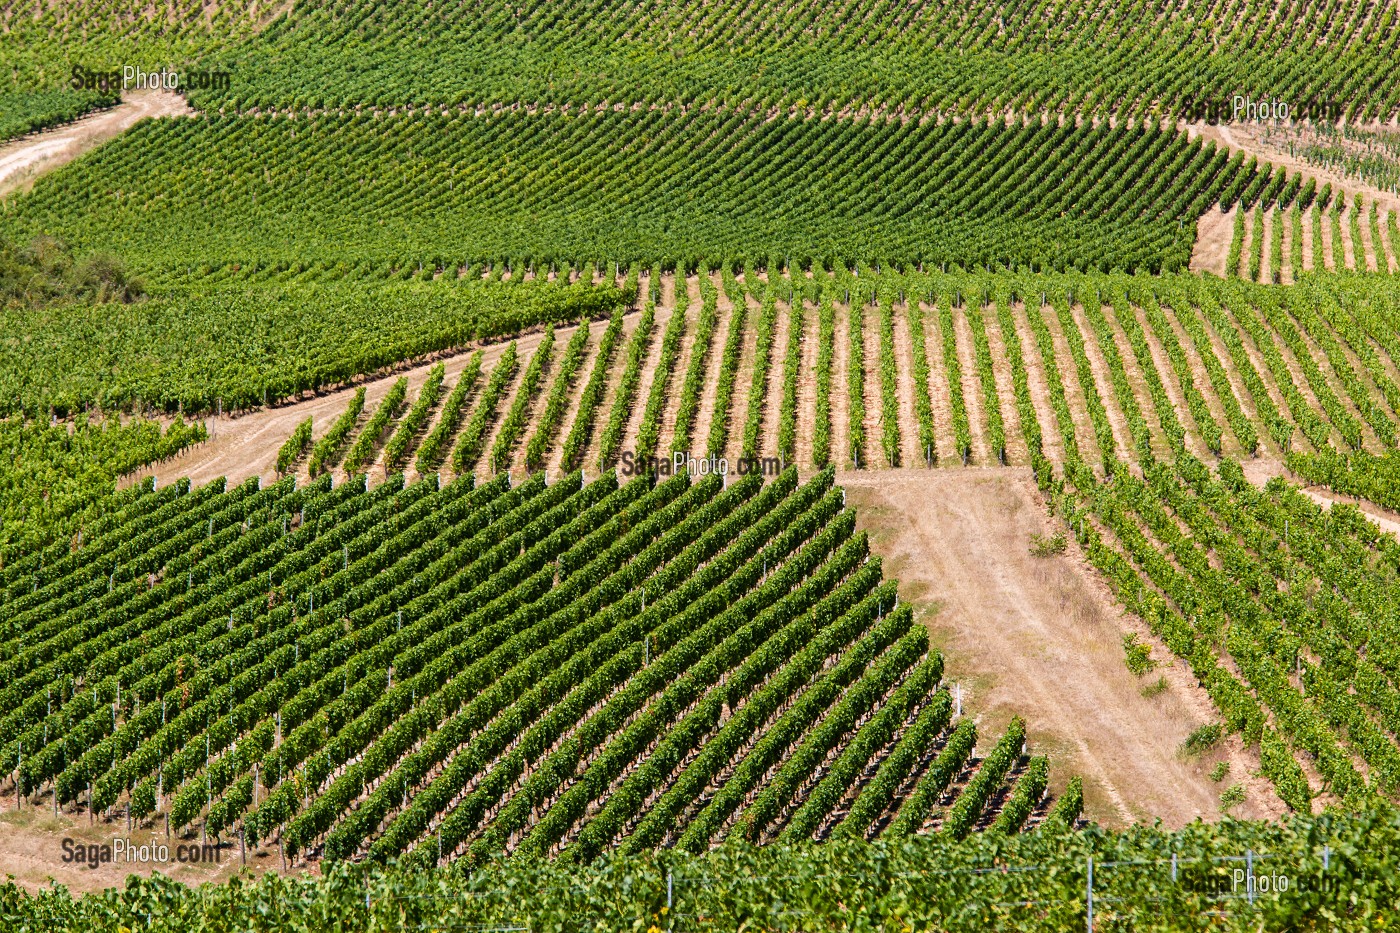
{"x":1214,"y":231}
{"x":25,"y":159}
{"x":1041,"y":637}
{"x":31,"y":852}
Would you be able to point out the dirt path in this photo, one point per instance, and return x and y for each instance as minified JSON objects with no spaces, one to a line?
{"x":1041,"y":637}
{"x":246,"y":445}
{"x":25,"y":159}
{"x":1214,"y":231}
{"x":31,"y":851}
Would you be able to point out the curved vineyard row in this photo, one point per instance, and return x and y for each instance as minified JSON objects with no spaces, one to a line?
{"x":678,"y":188}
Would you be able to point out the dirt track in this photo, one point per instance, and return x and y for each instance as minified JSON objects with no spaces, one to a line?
{"x":25,"y":159}
{"x":31,"y":850}
{"x":1041,"y":637}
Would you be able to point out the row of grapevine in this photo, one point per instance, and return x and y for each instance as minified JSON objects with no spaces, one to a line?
{"x":627,"y":386}
{"x":326,"y":452}
{"x":694,"y":382}
{"x":366,"y":446}
{"x":471,"y":443}
{"x":728,"y":369}
{"x":549,"y":422}
{"x":517,"y":419}
{"x":397,"y":448}
{"x":434,"y":447}
{"x":690,"y":186}
{"x":1264,"y":365}
{"x":581,"y":432}
{"x":649,"y":429}
{"x":294,"y":447}
{"x":889,"y":393}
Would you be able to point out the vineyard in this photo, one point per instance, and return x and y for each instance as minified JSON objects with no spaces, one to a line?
{"x":555,"y":669}
{"x":1063,"y":57}
{"x":1280,"y":607}
{"x":685,"y":466}
{"x":872,"y":369}
{"x":1280,"y":246}
{"x":340,"y":195}
{"x":1339,"y":873}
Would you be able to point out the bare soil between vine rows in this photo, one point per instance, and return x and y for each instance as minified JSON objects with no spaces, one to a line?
{"x":1042,"y":638}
